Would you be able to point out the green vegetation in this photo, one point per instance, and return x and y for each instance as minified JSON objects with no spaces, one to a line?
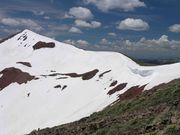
{"x":172,"y":130}
{"x":154,"y":112}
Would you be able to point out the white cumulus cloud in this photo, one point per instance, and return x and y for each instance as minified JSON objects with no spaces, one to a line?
{"x":19,"y":22}
{"x":112,"y":34}
{"x":75,"y":30}
{"x":133,"y":24}
{"x":80,"y":13}
{"x":175,"y":28}
{"x":125,"y":5}
{"x":104,"y":41}
{"x":81,"y":23}
{"x":77,"y":42}
{"x":10,"y":21}
{"x":69,"y":41}
{"x":82,"y":42}
{"x":38,"y":13}
{"x":160,"y":44}
{"x":95,"y":24}
{"x":85,"y":24}
{"x":163,"y":39}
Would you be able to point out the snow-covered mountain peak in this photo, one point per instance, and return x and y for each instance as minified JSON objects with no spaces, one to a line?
{"x":44,"y":83}
{"x":26,"y":38}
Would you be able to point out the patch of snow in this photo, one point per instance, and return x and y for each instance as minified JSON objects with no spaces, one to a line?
{"x":48,"y":106}
{"x":143,"y":73}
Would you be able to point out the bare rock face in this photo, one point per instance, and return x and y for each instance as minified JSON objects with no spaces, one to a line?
{"x":132,"y":92}
{"x":25,"y":64}
{"x":102,"y":74}
{"x":85,"y":76}
{"x":117,"y":88}
{"x":41,"y":44}
{"x":113,"y":83}
{"x":12,"y":75}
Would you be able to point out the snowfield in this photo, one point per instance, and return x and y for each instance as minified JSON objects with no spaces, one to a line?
{"x":56,"y":83}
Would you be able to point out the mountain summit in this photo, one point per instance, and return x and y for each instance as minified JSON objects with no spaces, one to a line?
{"x":44,"y":83}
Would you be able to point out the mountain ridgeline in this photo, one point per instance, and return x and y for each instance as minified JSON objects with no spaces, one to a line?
{"x":45,"y":83}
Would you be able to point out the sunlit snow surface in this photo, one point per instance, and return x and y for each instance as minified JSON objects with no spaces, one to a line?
{"x":37,"y":104}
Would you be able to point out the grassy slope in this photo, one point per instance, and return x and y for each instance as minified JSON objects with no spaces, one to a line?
{"x":153,"y":112}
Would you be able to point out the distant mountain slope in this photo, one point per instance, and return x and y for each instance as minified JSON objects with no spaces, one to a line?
{"x":44,"y":83}
{"x":153,"y":112}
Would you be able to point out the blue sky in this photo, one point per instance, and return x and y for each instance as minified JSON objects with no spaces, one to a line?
{"x":138,"y":28}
